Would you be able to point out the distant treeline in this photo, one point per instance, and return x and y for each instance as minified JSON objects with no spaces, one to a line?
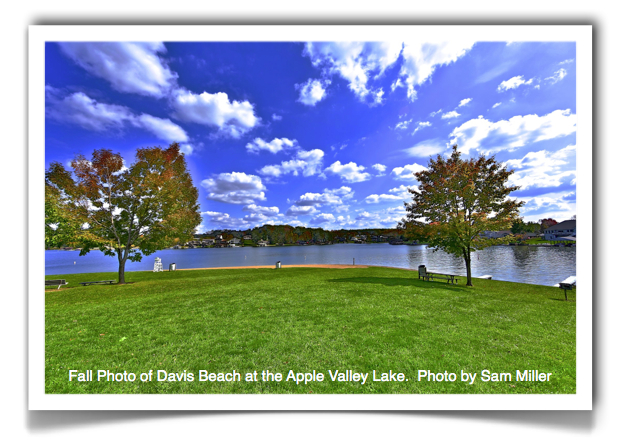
{"x":286,"y":234}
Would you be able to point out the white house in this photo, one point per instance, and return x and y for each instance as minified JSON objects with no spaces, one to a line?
{"x":567,"y":228}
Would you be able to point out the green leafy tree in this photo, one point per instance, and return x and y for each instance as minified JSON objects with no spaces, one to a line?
{"x":457,"y":201}
{"x":125,"y":212}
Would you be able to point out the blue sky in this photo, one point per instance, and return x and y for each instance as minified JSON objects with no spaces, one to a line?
{"x":321,"y":133}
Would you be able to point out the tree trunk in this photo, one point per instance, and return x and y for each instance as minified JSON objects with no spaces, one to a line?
{"x":467,"y":256}
{"x":121,"y":267}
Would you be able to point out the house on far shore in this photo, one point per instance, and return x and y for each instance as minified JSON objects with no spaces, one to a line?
{"x":567,"y":228}
{"x":495,"y":234}
{"x":263,"y":243}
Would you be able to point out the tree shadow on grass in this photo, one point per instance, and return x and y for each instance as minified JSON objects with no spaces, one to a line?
{"x":389,"y":281}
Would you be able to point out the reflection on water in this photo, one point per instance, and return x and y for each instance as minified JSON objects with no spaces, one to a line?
{"x":526,"y":264}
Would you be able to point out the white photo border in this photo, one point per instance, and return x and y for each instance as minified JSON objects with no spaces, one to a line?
{"x":39,"y":35}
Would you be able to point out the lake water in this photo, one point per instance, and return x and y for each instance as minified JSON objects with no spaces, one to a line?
{"x":523,"y":264}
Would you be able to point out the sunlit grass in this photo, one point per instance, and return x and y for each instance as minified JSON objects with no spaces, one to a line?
{"x":306,"y":319}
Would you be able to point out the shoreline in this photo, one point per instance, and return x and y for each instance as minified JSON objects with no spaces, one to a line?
{"x":334,"y":266}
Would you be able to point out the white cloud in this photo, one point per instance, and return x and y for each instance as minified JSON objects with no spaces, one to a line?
{"x":270,"y":211}
{"x":557,"y":76}
{"x":398,"y":193}
{"x":512,"y":83}
{"x":450,"y":115}
{"x":420,"y":126}
{"x":162,"y":128}
{"x":276,"y":145}
{"x":407,"y":172}
{"x":79,"y":109}
{"x":187,"y":149}
{"x":223,"y":220}
{"x":338,"y":148}
{"x":403,"y":125}
{"x":566,"y":61}
{"x":432,"y":114}
{"x":464,"y":102}
{"x":548,"y":205}
{"x":232,"y":119}
{"x":349,"y":172}
{"x":427,"y":148}
{"x":356,"y":62}
{"x":421,"y":59}
{"x":516,"y":132}
{"x":379,"y":168}
{"x":496,"y":104}
{"x":322,"y":219}
{"x":275,"y":117}
{"x":543,"y":168}
{"x":331,"y":197}
{"x":235,"y":187}
{"x":305,"y":162}
{"x":86,"y":112}
{"x":312,"y":92}
{"x":130,"y":67}
{"x":296,"y":211}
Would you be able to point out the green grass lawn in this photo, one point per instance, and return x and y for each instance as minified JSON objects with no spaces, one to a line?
{"x":306,"y":319}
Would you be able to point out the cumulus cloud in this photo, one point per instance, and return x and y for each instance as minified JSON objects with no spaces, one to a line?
{"x":543,"y":169}
{"x":223,"y":220}
{"x":296,"y":211}
{"x":79,"y":109}
{"x":350,"y":172}
{"x":516,"y":132}
{"x":276,"y":145}
{"x":130,"y":67}
{"x":305,"y":162}
{"x":557,"y":76}
{"x":162,"y":128}
{"x":86,"y":112}
{"x":497,"y":104}
{"x":464,"y":102}
{"x":420,"y":126}
{"x":379,"y":168}
{"x":432,"y":114}
{"x":407,"y":172}
{"x":322,"y":219}
{"x":357,"y":62}
{"x":427,"y":148}
{"x":398,"y":193}
{"x":512,"y":83}
{"x":450,"y":115}
{"x":235,"y":187}
{"x":187,"y":149}
{"x":332,"y":197}
{"x":312,"y":91}
{"x":421,"y":59}
{"x":275,"y":117}
{"x":403,"y":125}
{"x":232,"y":119}
{"x":270,"y":211}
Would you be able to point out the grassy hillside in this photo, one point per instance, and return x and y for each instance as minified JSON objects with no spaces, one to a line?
{"x":305,"y":320}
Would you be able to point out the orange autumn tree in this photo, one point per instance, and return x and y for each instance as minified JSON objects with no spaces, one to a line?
{"x":125,"y":212}
{"x":457,"y":201}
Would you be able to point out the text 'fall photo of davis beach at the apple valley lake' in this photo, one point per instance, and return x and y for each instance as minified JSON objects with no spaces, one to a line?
{"x":310,"y":217}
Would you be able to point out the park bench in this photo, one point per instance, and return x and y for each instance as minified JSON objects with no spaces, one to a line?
{"x":95,"y":282}
{"x":59,"y":282}
{"x":429,"y":275}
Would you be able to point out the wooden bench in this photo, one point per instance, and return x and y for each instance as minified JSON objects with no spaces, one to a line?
{"x":59,"y":282}
{"x":98,"y":281}
{"x":428,"y":275}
